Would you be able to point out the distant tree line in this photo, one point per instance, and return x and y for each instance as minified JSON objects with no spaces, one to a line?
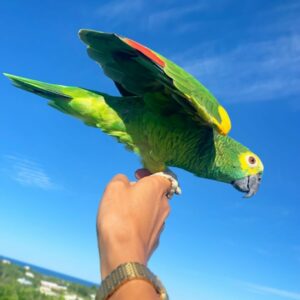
{"x":11,"y":289}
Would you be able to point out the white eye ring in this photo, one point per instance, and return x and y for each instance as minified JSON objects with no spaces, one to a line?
{"x":251,"y":160}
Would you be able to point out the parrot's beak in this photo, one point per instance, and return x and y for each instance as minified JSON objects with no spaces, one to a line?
{"x":248,"y":184}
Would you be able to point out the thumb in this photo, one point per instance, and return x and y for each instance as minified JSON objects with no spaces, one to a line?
{"x":166,"y":182}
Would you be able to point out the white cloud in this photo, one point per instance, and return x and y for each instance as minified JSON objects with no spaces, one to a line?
{"x":266,"y":290}
{"x":287,"y":6}
{"x":118,"y":10}
{"x":28,"y":173}
{"x":149,"y":15}
{"x":253,"y":71}
{"x":164,"y":16}
{"x":264,"y":66}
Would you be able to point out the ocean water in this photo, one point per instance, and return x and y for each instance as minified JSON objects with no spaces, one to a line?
{"x":48,"y":272}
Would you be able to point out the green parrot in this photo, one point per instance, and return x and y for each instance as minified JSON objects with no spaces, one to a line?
{"x":164,"y":115}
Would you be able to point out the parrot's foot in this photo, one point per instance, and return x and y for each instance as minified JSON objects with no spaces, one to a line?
{"x":175,"y":188}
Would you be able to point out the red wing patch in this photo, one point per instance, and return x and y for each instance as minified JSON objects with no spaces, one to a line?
{"x":147,"y":52}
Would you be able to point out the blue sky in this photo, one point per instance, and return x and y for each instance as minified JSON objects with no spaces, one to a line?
{"x":53,"y":169}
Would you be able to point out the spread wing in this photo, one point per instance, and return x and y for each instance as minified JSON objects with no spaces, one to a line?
{"x":137,"y":70}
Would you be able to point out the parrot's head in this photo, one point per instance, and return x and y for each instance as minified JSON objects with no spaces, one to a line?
{"x":238,"y":165}
{"x":251,"y":170}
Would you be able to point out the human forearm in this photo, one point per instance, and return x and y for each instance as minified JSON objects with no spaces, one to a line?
{"x":130,"y":219}
{"x":135,"y":289}
{"x":121,"y":250}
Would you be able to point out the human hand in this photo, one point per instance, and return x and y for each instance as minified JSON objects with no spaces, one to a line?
{"x":130,"y":219}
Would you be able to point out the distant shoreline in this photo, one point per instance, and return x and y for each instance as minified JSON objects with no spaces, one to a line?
{"x":48,"y":272}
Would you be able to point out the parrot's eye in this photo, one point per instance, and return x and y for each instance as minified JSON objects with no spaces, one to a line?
{"x":252,"y":161}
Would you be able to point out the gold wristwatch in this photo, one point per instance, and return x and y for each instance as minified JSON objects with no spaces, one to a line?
{"x":129,"y":271}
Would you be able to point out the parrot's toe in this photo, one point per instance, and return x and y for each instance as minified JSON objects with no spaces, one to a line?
{"x":178,"y":190}
{"x":175,"y":188}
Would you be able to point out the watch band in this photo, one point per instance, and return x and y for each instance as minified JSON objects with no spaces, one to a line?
{"x":126,"y":272}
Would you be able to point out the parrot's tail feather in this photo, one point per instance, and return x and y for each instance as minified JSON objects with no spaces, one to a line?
{"x":49,"y":91}
{"x":93,"y":108}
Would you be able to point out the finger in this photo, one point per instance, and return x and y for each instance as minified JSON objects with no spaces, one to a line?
{"x":175,"y":189}
{"x":141,"y":173}
{"x":163,"y":183}
{"x":120,"y":178}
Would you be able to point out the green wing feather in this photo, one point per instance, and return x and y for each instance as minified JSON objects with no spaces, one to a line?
{"x":141,"y":71}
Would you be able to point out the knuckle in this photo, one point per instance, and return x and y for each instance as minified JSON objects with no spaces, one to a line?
{"x":159,"y":181}
{"x":120,"y":177}
{"x":116,"y":183}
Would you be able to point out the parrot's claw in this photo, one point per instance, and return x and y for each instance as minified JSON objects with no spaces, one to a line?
{"x":175,"y":188}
